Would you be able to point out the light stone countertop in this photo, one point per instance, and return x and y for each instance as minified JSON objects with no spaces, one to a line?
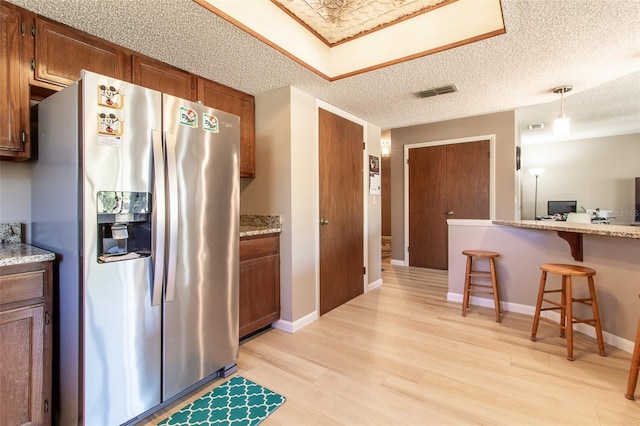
{"x":20,"y":253}
{"x":14,"y":252}
{"x":623,"y":231}
{"x":260,"y":224}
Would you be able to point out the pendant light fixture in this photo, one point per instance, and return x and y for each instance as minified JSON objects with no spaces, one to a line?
{"x":561,"y":124}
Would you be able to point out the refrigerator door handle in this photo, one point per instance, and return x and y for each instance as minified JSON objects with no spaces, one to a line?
{"x":159,"y":218}
{"x":172,"y":180}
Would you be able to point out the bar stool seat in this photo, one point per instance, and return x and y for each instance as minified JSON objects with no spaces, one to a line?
{"x":635,"y":364}
{"x":471,"y":285}
{"x":565,"y":303}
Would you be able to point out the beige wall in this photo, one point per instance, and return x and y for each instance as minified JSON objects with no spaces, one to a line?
{"x":385,"y":172}
{"x":15,"y":195}
{"x":374,"y":213}
{"x":597,"y":173}
{"x":502,"y":125}
{"x":286,"y":183}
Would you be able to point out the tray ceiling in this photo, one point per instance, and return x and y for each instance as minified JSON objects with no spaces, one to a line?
{"x":335,"y":21}
{"x":342,"y":38}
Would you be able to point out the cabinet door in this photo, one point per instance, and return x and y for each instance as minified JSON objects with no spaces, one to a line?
{"x":259,"y":300}
{"x":164,"y":78}
{"x":14,"y":101}
{"x":61,"y":52}
{"x":241,"y":104}
{"x":21,"y":369}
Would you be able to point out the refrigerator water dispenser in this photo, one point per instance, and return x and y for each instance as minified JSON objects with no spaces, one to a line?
{"x":124,"y":225}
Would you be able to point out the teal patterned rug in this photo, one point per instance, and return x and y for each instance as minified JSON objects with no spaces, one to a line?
{"x":236,"y":402}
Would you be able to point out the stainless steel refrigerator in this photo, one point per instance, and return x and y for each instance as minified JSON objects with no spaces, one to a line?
{"x":138,"y":194}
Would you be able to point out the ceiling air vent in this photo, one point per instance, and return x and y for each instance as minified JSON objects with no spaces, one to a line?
{"x":535,"y":126}
{"x":438,"y":91}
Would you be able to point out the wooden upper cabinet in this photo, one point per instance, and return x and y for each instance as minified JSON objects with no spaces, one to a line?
{"x":164,"y":78}
{"x":241,"y":104}
{"x":61,"y":52}
{"x":14,"y":101}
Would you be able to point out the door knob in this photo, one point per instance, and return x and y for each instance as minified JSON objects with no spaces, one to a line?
{"x":324,"y":221}
{"x":450,"y":213}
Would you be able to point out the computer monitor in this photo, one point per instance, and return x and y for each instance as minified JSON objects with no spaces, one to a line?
{"x":561,"y":207}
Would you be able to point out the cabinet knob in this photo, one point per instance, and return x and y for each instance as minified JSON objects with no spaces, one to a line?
{"x":324,"y":221}
{"x":450,"y":213}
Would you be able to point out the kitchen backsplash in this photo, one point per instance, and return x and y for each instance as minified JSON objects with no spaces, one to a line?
{"x":10,"y":233}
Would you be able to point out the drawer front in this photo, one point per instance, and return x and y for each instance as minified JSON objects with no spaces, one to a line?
{"x":260,"y":246}
{"x":17,"y":287}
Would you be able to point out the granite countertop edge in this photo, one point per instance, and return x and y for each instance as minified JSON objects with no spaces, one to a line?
{"x":251,"y":225}
{"x":21,"y":253}
{"x":610,"y":230}
{"x":261,"y":231}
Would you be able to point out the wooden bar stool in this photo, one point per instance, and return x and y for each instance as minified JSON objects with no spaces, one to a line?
{"x":471,"y":275}
{"x":635,"y":364}
{"x":565,"y":304}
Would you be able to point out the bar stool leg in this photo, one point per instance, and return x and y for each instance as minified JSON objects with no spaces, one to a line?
{"x":467,"y":286}
{"x":563,"y":307}
{"x":536,"y":316}
{"x":633,"y":370}
{"x":494,"y":283}
{"x":569,"y":316}
{"x":596,"y":315}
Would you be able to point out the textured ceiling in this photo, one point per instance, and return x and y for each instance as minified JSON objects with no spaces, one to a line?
{"x":337,"y":20}
{"x":592,"y":45}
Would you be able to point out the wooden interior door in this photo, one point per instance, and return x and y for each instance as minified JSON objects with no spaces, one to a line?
{"x":468,"y":180}
{"x":341,"y":192}
{"x":427,"y":202}
{"x":445,"y":182}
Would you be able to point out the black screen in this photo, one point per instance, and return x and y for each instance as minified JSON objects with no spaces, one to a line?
{"x":560,"y":207}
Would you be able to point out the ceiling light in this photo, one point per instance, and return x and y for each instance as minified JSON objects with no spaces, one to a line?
{"x":561,"y":124}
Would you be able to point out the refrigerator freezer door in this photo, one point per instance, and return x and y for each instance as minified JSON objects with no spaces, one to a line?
{"x":201,"y":319}
{"x":121,"y":328}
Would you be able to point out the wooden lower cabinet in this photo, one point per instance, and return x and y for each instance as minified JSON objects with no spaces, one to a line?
{"x":259,"y":282}
{"x":25,"y":344}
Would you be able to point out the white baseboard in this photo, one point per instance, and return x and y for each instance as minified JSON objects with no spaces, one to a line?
{"x":374,"y":285}
{"x":611,"y":339}
{"x":398,"y":262}
{"x":292,"y":327}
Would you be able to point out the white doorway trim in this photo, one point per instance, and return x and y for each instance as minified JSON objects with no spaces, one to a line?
{"x":492,"y":178}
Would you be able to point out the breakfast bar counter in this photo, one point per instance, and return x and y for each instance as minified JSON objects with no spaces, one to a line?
{"x":612,"y":250}
{"x":624,"y":231}
{"x":572,"y":232}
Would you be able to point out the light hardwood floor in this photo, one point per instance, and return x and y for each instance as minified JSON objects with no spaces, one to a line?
{"x":403,"y":355}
